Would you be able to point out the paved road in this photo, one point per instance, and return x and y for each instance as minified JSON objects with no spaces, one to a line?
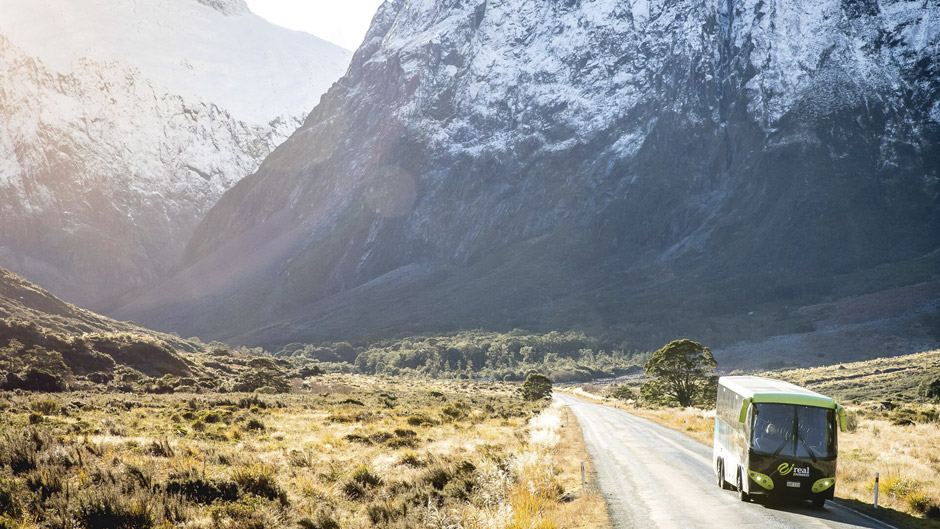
{"x":656,"y":477}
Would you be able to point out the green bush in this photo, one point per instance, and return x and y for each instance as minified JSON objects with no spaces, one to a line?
{"x":622,"y":392}
{"x":536,"y":387}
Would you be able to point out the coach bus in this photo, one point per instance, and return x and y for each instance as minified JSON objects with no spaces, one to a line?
{"x":776,"y":439}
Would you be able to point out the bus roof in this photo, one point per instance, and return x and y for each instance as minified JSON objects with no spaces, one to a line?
{"x":760,"y":389}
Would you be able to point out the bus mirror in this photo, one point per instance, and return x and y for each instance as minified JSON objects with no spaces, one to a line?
{"x":743,"y":415}
{"x":840,"y":412}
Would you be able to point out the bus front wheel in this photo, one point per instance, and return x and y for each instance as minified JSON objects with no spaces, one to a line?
{"x":744,"y":496}
{"x":819,"y":503}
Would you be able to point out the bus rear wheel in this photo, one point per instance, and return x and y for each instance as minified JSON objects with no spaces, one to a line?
{"x":744,"y":496}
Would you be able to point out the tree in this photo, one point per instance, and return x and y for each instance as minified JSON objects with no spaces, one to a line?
{"x":622,"y":392}
{"x":262,"y":373}
{"x":682,"y":369}
{"x":536,"y":387}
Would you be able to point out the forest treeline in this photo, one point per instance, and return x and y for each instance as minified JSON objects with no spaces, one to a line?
{"x":563,"y":356}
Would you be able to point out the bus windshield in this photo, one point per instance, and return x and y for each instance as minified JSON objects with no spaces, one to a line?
{"x":792,"y":430}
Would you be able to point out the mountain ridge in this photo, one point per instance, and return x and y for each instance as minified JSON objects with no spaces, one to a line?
{"x":124,"y":122}
{"x":643,"y":169}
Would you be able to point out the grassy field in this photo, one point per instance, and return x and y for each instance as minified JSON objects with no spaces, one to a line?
{"x":890,"y":431}
{"x":882,"y":379}
{"x":343,"y":451}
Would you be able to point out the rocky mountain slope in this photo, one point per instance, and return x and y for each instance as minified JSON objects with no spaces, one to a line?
{"x":121,"y":123}
{"x":646,"y":169}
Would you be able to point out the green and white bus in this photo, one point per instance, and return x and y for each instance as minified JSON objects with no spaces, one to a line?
{"x":776,"y":439}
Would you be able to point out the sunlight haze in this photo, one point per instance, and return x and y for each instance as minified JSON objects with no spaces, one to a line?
{"x":344,"y":23}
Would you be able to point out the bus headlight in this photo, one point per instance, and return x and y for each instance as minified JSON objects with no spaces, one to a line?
{"x":823,"y":484}
{"x":761,"y":479}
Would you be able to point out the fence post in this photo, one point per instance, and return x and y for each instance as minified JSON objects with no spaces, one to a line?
{"x":582,"y":478}
{"x":876,"y":490}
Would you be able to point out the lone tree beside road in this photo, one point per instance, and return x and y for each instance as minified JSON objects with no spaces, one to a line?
{"x":679,"y":371}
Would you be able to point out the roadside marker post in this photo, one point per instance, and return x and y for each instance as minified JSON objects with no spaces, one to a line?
{"x":582,"y":478}
{"x":876,"y":490}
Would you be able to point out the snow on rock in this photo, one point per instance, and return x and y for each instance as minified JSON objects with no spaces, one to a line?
{"x":122,"y":122}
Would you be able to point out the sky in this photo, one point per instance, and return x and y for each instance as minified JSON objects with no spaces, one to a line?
{"x":342,"y":22}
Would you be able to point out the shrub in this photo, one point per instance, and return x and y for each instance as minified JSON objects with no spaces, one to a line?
{"x":437,"y":476}
{"x":380,"y":514}
{"x":45,"y":406}
{"x":353,"y":490}
{"x":419,"y":420}
{"x":298,"y":458}
{"x":35,"y":380}
{"x":931,"y":389}
{"x":9,"y":498}
{"x":109,"y":510}
{"x":851,"y":421}
{"x":453,"y":412}
{"x":46,"y":481}
{"x":918,"y":502}
{"x":536,"y":387}
{"x":320,"y":521}
{"x":402,"y":443}
{"x":201,"y":490}
{"x":99,"y":377}
{"x":411,"y":459}
{"x":160,"y":448}
{"x":20,"y":450}
{"x":365,"y":477}
{"x":255,"y":425}
{"x":901,"y":487}
{"x":259,"y":480}
{"x":622,"y":392}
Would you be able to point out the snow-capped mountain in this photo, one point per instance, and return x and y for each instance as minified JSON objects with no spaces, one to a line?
{"x":123,"y":121}
{"x":653,"y":167}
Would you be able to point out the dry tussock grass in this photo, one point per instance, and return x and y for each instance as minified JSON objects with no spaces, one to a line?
{"x":352,"y":452}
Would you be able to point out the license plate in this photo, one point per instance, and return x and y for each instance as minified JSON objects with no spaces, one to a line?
{"x":795,"y":484}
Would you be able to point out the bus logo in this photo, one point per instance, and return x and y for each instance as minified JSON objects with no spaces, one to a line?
{"x":785,"y":468}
